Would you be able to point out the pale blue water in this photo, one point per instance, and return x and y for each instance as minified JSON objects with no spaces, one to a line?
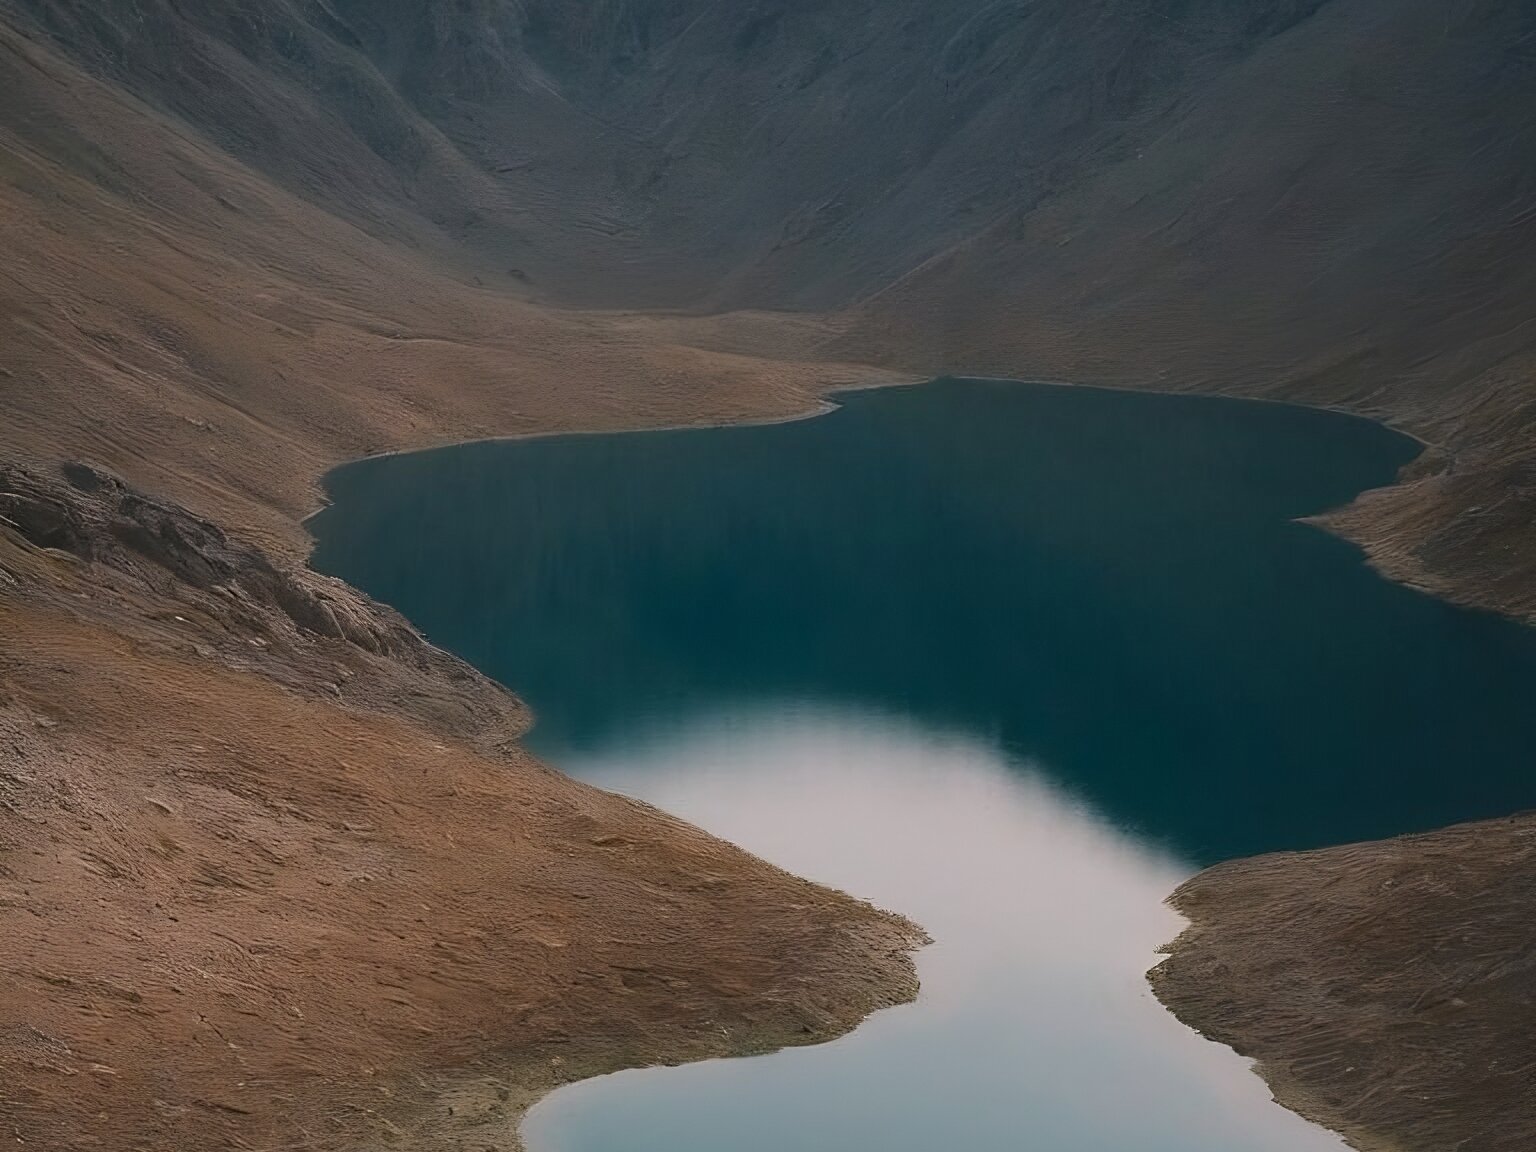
{"x":1035,"y":1028}
{"x":1011,"y":659}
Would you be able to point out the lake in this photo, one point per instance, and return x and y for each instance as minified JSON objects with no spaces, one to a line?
{"x":1011,"y":659}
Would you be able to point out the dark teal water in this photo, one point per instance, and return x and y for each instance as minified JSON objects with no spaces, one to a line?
{"x":1110,"y":585}
{"x":1011,"y":659}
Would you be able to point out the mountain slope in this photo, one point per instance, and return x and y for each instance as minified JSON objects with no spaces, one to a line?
{"x":1343,"y":218}
{"x":667,"y":153}
{"x":272,"y":871}
{"x":1322,"y":201}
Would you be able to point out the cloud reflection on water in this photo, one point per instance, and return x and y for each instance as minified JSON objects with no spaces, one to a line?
{"x":1035,"y":1029}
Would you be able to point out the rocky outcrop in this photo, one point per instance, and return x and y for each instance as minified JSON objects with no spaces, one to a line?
{"x":241,"y":607}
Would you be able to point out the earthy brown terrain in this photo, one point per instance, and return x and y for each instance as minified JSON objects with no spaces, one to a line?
{"x":276,"y":873}
{"x":200,"y":330}
{"x":1385,"y":989}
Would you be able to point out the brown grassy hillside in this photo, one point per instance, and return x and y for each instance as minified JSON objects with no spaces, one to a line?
{"x":174,"y":314}
{"x":1384,"y":989}
{"x":269,"y":883}
{"x":273,"y":872}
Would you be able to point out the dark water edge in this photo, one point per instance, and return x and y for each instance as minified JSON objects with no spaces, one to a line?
{"x":1011,"y":659}
{"x":1110,"y":585}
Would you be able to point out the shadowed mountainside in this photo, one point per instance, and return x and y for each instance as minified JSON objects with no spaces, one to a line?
{"x":661,"y":153}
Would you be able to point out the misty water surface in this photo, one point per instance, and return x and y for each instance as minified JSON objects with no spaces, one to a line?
{"x":1011,"y":659}
{"x":1035,"y":1028}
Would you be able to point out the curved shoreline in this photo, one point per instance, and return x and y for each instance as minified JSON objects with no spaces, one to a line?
{"x":288,"y":758}
{"x":453,"y":1083}
{"x":233,"y":271}
{"x":826,"y":407}
{"x":1383,"y":989}
{"x":497,"y":1121}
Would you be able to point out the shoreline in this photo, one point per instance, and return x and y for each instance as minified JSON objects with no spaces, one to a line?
{"x":1340,"y":522}
{"x":1287,"y":1091}
{"x":232,"y":691}
{"x":492,"y":1117}
{"x":822,"y":404}
{"x":514,"y":437}
{"x":221,"y":309}
{"x":1380,"y":988}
